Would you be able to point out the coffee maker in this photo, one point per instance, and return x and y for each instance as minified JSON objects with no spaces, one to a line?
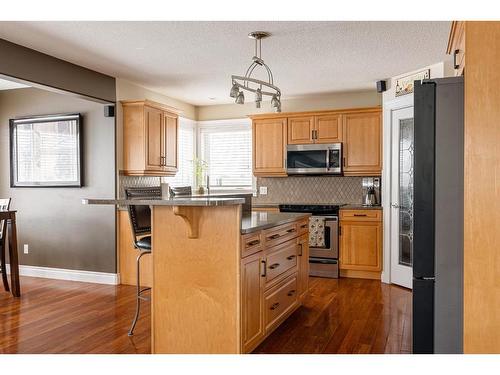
{"x":371,"y":191}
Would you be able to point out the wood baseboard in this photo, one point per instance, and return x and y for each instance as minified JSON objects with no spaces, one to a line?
{"x":355,"y":274}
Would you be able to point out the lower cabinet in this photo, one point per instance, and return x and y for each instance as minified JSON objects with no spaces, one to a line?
{"x":361,"y":242}
{"x":274,"y":281}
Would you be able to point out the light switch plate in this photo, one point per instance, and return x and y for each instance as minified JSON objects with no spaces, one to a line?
{"x":263,"y":190}
{"x":26,"y":248}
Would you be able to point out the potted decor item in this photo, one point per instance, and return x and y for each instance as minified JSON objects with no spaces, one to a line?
{"x":200,"y":167}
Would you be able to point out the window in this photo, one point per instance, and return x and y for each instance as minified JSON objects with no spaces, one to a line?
{"x":186,"y":154}
{"x":226,"y":146}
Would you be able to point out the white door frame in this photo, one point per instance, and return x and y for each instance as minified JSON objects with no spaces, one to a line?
{"x":388,"y":108}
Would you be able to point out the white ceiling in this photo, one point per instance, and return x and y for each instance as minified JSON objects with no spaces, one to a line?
{"x":10,"y":85}
{"x":193,"y":61}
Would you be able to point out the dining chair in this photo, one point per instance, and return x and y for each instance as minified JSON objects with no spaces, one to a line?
{"x":4,"y":206}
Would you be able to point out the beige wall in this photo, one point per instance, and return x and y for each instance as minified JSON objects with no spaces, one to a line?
{"x":310,"y":103}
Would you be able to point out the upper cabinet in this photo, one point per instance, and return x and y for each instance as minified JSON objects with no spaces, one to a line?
{"x":456,"y":46}
{"x":149,"y":139}
{"x":325,"y":128}
{"x":362,"y":140}
{"x":359,"y":131}
{"x":269,"y":147}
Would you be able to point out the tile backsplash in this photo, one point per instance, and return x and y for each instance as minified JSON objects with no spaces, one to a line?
{"x":310,"y":189}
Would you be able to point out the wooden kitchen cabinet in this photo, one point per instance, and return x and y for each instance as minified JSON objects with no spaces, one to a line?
{"x":328,"y":128}
{"x":149,"y":139}
{"x":300,"y":130}
{"x":359,"y":130}
{"x":269,"y":147}
{"x":456,"y":46}
{"x":303,"y":262}
{"x":362,"y":141}
{"x":361,"y":243}
{"x":252,"y":303}
{"x":325,"y":128}
{"x":274,"y":270}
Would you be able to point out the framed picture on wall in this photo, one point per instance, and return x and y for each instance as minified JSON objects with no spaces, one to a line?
{"x":46,"y":151}
{"x":404,"y":85}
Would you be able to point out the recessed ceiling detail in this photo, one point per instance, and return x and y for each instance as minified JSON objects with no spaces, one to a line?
{"x":10,"y":85}
{"x":191,"y":61}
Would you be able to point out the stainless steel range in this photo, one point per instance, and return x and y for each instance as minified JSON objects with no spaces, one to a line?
{"x":323,"y":237}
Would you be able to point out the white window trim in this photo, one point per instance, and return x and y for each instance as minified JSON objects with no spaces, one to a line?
{"x":236,"y":123}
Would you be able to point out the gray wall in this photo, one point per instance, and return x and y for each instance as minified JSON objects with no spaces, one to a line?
{"x":36,"y":67}
{"x":60,"y":231}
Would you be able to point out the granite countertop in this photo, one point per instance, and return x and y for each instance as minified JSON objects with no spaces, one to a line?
{"x":254,"y":221}
{"x":178,"y":201}
{"x":360,"y":207}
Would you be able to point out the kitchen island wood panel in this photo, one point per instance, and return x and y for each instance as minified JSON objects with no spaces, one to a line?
{"x":196,"y":282}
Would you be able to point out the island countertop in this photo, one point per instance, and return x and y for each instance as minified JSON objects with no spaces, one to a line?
{"x":257,"y":220}
{"x":174,"y":201}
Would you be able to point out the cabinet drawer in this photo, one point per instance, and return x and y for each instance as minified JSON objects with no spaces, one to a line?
{"x":251,"y":244}
{"x":362,"y":215}
{"x":280,"y":259}
{"x":279,"y":300}
{"x":303,"y":226}
{"x":280,"y":234}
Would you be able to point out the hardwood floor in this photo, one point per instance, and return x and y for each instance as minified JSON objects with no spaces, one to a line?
{"x":346,"y":316}
{"x":339,"y":316}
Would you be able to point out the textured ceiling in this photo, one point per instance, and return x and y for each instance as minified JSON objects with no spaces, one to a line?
{"x":193,"y":61}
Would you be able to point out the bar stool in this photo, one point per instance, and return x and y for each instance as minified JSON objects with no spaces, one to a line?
{"x":4,"y":206}
{"x":140,"y":222}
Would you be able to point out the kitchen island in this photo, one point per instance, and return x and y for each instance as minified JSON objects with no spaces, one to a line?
{"x":223,"y":280}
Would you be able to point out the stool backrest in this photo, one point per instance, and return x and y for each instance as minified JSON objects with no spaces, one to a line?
{"x":4,"y":206}
{"x":180,"y":191}
{"x":140,"y":216}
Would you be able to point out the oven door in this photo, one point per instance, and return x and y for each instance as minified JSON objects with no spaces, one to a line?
{"x":314,"y":159}
{"x":331,"y":238}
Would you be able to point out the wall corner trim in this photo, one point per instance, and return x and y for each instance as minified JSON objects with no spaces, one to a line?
{"x":70,"y":275}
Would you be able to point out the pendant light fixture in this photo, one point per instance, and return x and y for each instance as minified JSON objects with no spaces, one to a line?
{"x":254,"y":85}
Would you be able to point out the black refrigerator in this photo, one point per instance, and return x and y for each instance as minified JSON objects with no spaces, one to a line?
{"x":438,"y":216}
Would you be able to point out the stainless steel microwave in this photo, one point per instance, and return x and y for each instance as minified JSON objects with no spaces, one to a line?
{"x":314,"y":159}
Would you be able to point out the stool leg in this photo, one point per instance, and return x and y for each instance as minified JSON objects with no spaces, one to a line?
{"x":138,"y":296}
{"x":4,"y":267}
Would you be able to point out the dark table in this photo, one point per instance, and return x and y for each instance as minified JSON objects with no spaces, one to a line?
{"x":10,"y":216}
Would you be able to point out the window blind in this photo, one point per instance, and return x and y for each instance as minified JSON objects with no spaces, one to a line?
{"x":227,"y":148}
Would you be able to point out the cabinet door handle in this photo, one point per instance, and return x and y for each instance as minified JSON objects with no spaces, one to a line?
{"x":274,"y":306}
{"x":343,"y":161}
{"x":290,"y":257}
{"x":362,"y":215}
{"x":273,"y":237}
{"x":455,"y":54}
{"x":340,"y":230}
{"x":291,"y":293}
{"x":263,"y":264}
{"x":301,"y":249}
{"x":273,"y":266}
{"x":253,"y":243}
{"x":304,"y":226}
{"x":291,"y":230}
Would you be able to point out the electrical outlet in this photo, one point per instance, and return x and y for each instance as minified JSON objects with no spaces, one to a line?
{"x":263,"y":190}
{"x":26,"y":248}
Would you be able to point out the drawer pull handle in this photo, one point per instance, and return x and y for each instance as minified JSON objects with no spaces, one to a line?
{"x":291,"y":293}
{"x":359,"y":214}
{"x":263,"y":268}
{"x":291,"y":230}
{"x":273,"y":266}
{"x":274,"y":306}
{"x":253,"y":243}
{"x":290,"y":257}
{"x":304,"y":226}
{"x":274,"y":236}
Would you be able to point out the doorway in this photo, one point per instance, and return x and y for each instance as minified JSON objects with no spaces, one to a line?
{"x":399,"y":194}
